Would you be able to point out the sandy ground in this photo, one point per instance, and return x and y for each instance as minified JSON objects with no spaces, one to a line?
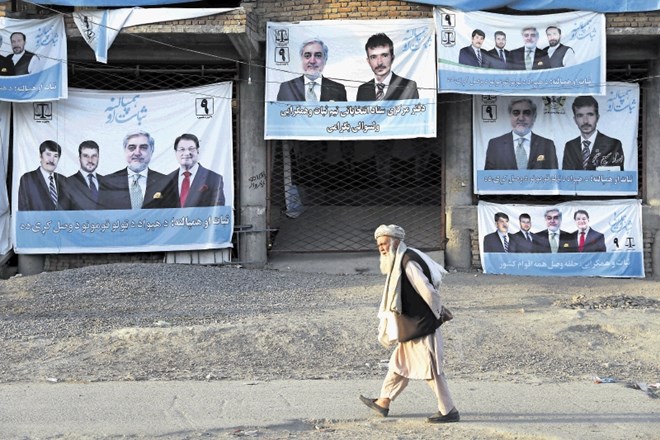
{"x":143,"y":322}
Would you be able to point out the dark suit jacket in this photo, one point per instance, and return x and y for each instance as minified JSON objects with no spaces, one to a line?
{"x":517,"y":59}
{"x":557,"y":58}
{"x":543,"y":242}
{"x":469,"y":58}
{"x":399,"y":88}
{"x":594,"y":241}
{"x":294,"y":90}
{"x":78,"y":192}
{"x":206,"y":189}
{"x":6,"y":67}
{"x":115,"y":194}
{"x":520,"y":244}
{"x":492,"y":242}
{"x":34,"y":195}
{"x":501,"y":155}
{"x":495,"y":61}
{"x":21,"y":68}
{"x":605,"y":151}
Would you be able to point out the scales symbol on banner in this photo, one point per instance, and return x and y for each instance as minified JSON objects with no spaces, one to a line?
{"x":448,"y":38}
{"x":281,"y":36}
{"x":43,"y":111}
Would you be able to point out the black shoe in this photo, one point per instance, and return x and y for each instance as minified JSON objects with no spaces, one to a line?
{"x":452,"y":416}
{"x":371,"y":403}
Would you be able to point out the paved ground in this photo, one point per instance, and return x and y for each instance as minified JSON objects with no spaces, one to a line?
{"x":321,"y":409}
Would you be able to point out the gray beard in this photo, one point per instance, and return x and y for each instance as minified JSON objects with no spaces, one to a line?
{"x":387,"y":261}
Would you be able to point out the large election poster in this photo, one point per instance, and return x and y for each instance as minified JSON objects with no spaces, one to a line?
{"x":351,"y":80}
{"x":497,"y":54}
{"x":584,"y":145}
{"x":135,"y":171}
{"x":33,"y":59}
{"x":5,"y":214}
{"x":579,"y":238}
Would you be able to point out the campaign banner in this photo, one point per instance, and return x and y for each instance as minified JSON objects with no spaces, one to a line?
{"x":350,"y":80}
{"x":555,"y":130}
{"x":497,"y":54}
{"x":33,"y":59}
{"x":99,"y":28}
{"x":579,"y":238}
{"x":138,"y":171}
{"x":535,"y":5}
{"x":116,"y":3}
{"x":5,"y":213}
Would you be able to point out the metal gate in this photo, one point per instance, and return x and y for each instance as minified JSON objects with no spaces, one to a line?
{"x":331,"y":195}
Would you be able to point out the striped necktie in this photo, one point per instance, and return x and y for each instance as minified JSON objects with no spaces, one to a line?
{"x":506,"y":243}
{"x":380,"y":92}
{"x":52,"y":190}
{"x":585,"y":154}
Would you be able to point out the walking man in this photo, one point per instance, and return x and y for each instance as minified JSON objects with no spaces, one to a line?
{"x":410,"y":315}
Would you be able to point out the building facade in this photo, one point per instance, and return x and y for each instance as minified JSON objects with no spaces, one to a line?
{"x":291,"y":194}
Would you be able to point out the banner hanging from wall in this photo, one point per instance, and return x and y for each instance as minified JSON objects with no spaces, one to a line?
{"x":99,"y":28}
{"x":350,"y":80}
{"x":115,"y":3}
{"x":497,"y":54}
{"x":536,"y":5}
{"x":161,"y":172}
{"x":584,"y":145}
{"x":579,"y":238}
{"x":33,"y":59}
{"x":5,"y":213}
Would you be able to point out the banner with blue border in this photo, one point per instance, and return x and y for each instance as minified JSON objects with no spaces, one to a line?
{"x":496,"y":54}
{"x":105,"y":138}
{"x":554,"y":133}
{"x":346,"y":105}
{"x":33,"y":60}
{"x":591,"y":238}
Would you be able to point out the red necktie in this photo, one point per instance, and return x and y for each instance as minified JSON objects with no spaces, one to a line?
{"x":581,"y":242}
{"x":185,"y":188}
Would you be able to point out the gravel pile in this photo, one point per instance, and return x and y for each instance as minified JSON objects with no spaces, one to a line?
{"x":181,"y":322}
{"x":620,"y":301}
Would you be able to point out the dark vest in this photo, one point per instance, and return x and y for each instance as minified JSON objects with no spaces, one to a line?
{"x":413,"y":305}
{"x":557,"y":58}
{"x":21,"y":68}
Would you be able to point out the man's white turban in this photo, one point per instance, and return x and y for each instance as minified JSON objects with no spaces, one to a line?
{"x":391,"y":231}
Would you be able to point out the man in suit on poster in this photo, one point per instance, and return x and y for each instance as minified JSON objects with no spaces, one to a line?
{"x":386,"y":84}
{"x":191,"y":184}
{"x":43,"y":189}
{"x":592,"y":149}
{"x":499,"y":56}
{"x":6,"y":66}
{"x":23,"y":60}
{"x":586,"y":239}
{"x":521,"y":149}
{"x":559,"y":54}
{"x":474,"y":55}
{"x":136,"y":186}
{"x":500,"y":240}
{"x":83,"y":186}
{"x":529,"y":57}
{"x":312,"y":86}
{"x":553,"y":239}
{"x":523,"y":241}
